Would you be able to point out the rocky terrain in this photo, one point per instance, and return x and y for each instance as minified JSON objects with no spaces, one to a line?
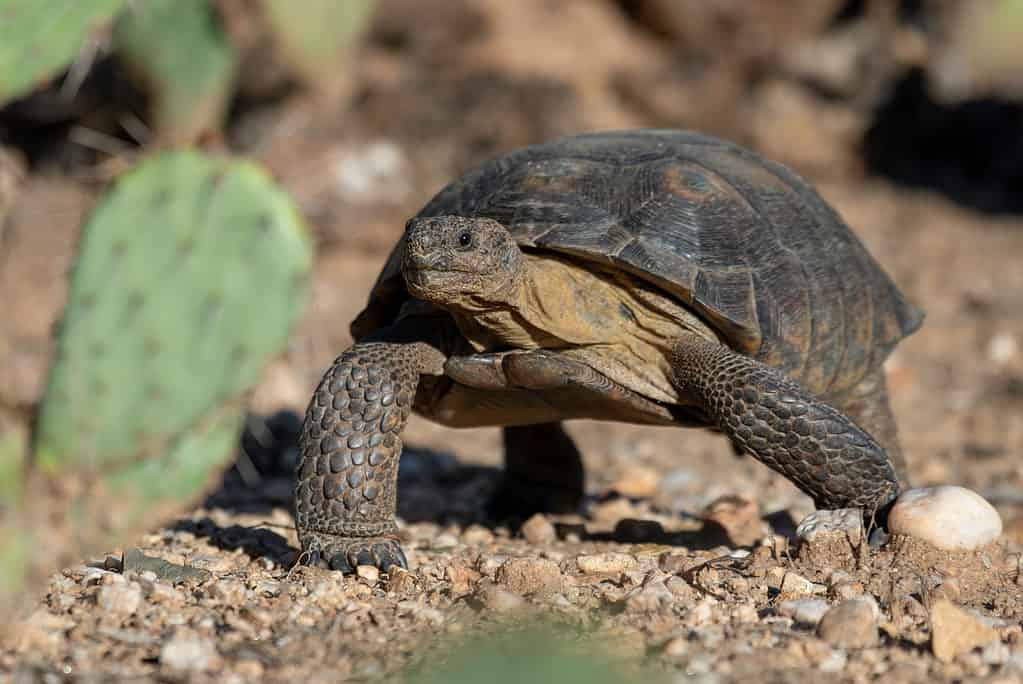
{"x":685,"y":562}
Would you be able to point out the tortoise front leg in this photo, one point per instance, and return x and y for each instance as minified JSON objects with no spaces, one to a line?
{"x":867,"y":405}
{"x":345,"y":493}
{"x":811,"y":443}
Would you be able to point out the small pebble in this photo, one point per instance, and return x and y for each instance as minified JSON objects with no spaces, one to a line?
{"x":461,"y":577}
{"x":499,"y":600}
{"x":400,"y":580}
{"x":539,"y":530}
{"x":850,"y":624}
{"x":120,"y":600}
{"x":610,"y":562}
{"x":830,"y":538}
{"x":187,"y":651}
{"x":489,"y":565}
{"x":444,"y":540}
{"x":806,"y":612}
{"x":637,"y":481}
{"x":834,"y":662}
{"x":995,"y":653}
{"x":791,"y":583}
{"x":530,"y":576}
{"x":649,"y":598}
{"x":612,"y":510}
{"x":477,"y":535}
{"x":368,"y":573}
{"x":846,"y":521}
{"x":947,"y":517}
{"x":676,"y":647}
{"x":955,"y":631}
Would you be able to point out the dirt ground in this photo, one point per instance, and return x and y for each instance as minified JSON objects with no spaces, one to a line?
{"x":683,"y":562}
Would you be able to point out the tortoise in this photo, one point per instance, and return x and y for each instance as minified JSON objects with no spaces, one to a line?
{"x":648,"y":276}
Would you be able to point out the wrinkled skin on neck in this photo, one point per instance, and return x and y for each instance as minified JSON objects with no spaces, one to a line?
{"x":464,"y":265}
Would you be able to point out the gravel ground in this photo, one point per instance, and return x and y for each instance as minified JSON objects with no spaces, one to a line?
{"x":685,"y":563}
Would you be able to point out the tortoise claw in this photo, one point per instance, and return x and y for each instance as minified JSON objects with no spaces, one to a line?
{"x":345,"y":554}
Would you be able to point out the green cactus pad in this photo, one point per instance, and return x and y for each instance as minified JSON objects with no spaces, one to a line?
{"x":190,"y":275}
{"x":315,"y":37}
{"x":39,"y":38}
{"x":181,"y":56}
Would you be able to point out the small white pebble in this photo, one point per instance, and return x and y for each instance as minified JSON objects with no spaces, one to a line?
{"x":1002,"y":348}
{"x":186,"y":650}
{"x":804,"y":611}
{"x":368,"y":573}
{"x":947,"y":517}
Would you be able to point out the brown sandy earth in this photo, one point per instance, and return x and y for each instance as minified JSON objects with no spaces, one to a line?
{"x":684,"y":557}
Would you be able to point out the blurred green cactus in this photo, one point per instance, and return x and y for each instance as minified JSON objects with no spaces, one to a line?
{"x":39,"y":38}
{"x":180,"y":55}
{"x":189,"y":277}
{"x":316,"y":37}
{"x":539,"y":653}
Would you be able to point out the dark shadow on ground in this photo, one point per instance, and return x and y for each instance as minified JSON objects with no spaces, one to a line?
{"x":433,"y":487}
{"x":971,"y":151}
{"x":256,"y":542}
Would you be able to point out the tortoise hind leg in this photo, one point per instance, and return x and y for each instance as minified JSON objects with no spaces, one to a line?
{"x":811,"y":443}
{"x":543,"y":472}
{"x":867,"y":405}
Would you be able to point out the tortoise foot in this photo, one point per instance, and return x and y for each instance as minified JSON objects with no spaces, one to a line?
{"x":543,"y":473}
{"x":345,"y":554}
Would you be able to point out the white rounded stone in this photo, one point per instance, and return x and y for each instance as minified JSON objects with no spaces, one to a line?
{"x":948,"y":517}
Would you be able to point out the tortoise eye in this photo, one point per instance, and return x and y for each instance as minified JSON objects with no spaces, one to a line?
{"x":465,"y":239}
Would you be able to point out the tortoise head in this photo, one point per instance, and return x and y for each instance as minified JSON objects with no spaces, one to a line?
{"x":458,"y":262}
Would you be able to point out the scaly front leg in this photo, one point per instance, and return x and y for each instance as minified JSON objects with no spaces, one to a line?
{"x":813,"y":444}
{"x":346,"y":487}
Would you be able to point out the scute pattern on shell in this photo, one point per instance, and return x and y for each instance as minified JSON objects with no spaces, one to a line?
{"x":745,"y":242}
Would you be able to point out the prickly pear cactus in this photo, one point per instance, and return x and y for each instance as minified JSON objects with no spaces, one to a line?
{"x":179,"y":53}
{"x":189,"y":277}
{"x":316,"y":40}
{"x":39,"y":38}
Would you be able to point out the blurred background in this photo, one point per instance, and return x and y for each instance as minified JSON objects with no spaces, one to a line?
{"x":907,"y":114}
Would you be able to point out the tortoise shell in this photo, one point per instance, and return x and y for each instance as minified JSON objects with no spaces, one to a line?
{"x":744,"y":242}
